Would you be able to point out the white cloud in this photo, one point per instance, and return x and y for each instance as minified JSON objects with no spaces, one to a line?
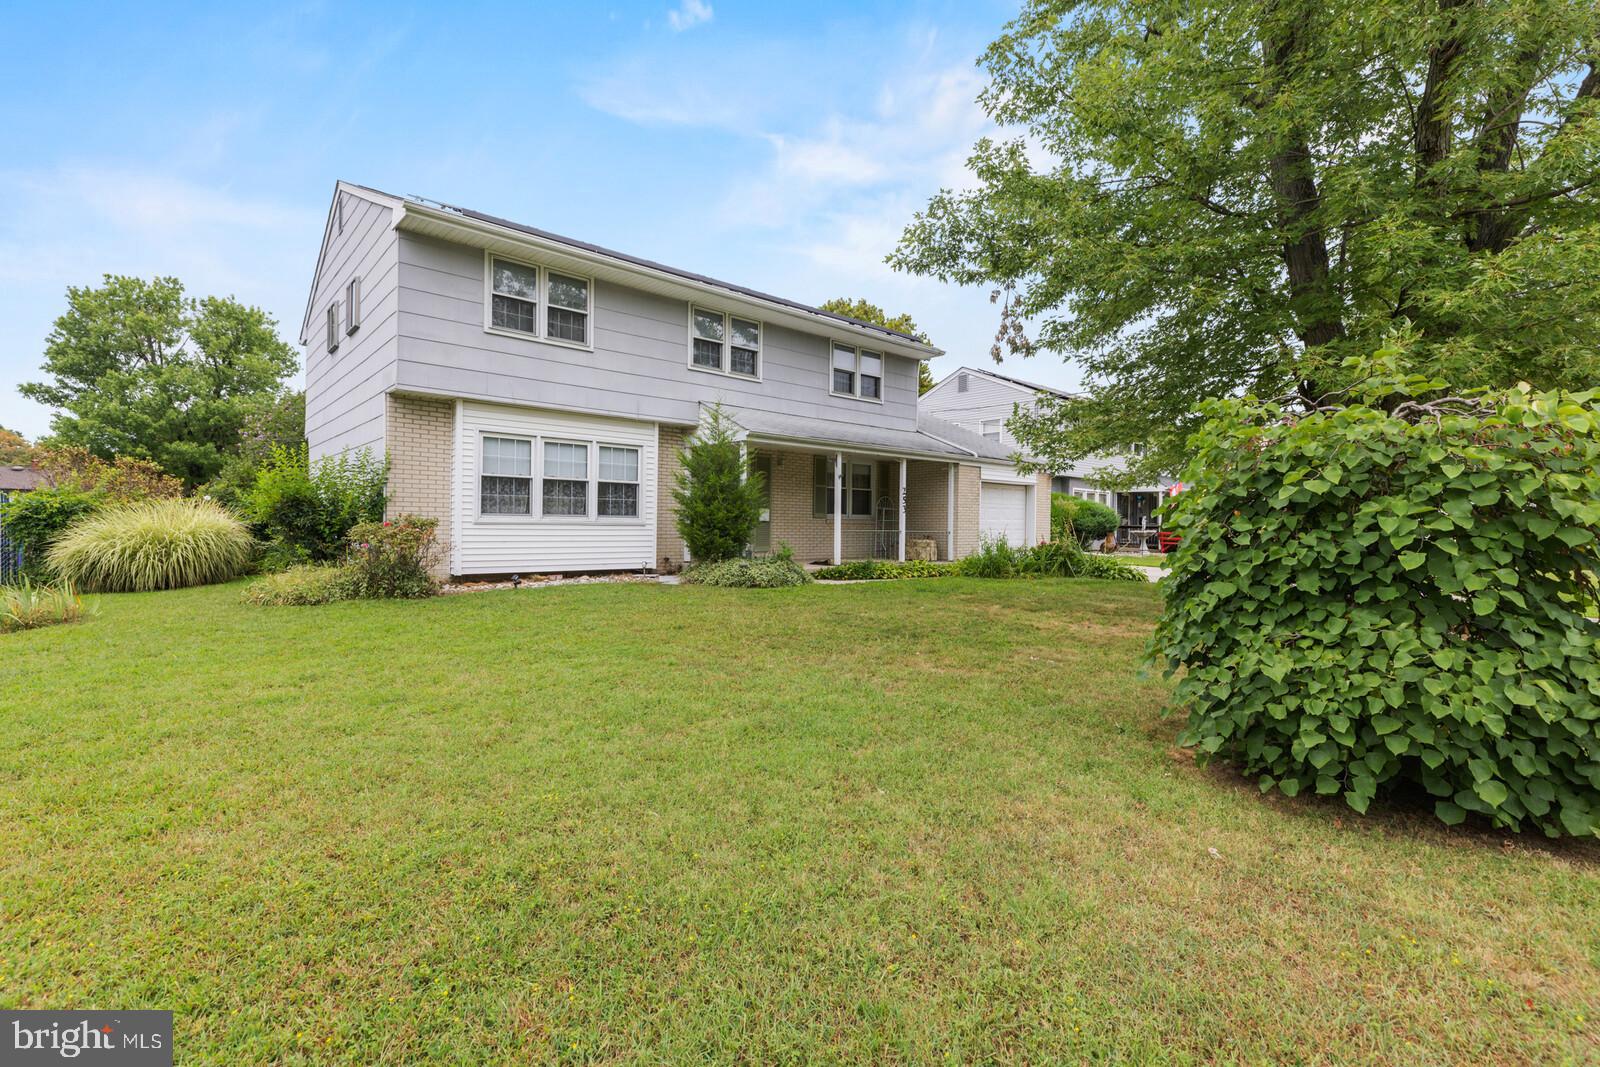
{"x":688,"y":14}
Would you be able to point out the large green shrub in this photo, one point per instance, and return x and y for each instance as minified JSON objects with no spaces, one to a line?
{"x":1388,"y":592}
{"x":34,"y":520}
{"x":741,"y":573}
{"x":995,"y":558}
{"x":1086,"y":521}
{"x":152,"y":544}
{"x":719,"y":493}
{"x":310,"y":508}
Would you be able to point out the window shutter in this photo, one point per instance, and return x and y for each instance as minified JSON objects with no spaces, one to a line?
{"x":352,"y":303}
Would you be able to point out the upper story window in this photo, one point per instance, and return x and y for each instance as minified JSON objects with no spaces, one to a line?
{"x":568,"y":314}
{"x":725,"y":343}
{"x":857,"y":372}
{"x":333,"y":326}
{"x":517,"y":289}
{"x":991,"y":428}
{"x":352,"y":305}
{"x":961,"y":382}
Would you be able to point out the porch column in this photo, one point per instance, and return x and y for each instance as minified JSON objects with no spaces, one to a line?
{"x":950,"y":517}
{"x":838,"y":508}
{"x":902,"y":509}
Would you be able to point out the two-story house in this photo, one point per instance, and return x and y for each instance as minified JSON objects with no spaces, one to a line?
{"x":983,"y":401}
{"x":533,"y":392}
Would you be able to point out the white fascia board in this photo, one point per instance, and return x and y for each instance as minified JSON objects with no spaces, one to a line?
{"x":686,"y":288}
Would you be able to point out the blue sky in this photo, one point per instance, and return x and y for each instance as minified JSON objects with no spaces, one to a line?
{"x":782,"y":146}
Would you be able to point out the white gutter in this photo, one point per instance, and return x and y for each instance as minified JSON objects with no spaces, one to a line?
{"x":450,"y":218}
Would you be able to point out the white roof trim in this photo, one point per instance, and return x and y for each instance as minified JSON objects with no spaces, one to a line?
{"x":327,"y":233}
{"x":686,"y":288}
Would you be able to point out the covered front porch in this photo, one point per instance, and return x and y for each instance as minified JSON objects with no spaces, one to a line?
{"x":830,"y":507}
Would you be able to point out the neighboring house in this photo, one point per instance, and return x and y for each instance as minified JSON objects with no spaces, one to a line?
{"x":532,"y":393}
{"x":982,"y":401}
{"x":14,"y":479}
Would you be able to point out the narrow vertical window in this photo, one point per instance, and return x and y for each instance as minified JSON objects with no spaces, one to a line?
{"x":352,"y":305}
{"x":745,"y":351}
{"x":860,"y":489}
{"x":333,"y":326}
{"x":515,"y":297}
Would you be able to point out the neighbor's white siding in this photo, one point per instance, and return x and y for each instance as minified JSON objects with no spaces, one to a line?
{"x":504,"y":544}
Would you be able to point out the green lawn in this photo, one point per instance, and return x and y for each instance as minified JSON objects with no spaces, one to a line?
{"x":894,"y":822}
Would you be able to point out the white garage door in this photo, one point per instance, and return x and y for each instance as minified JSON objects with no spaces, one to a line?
{"x":1003,"y":512}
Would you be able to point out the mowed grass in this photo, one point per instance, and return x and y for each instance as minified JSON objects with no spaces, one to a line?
{"x":908,"y":821}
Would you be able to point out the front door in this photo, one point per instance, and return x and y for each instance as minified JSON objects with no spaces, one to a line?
{"x":761,"y":539}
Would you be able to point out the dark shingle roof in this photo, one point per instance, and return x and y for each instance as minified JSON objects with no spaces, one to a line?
{"x":687,"y":275}
{"x":17,"y":478}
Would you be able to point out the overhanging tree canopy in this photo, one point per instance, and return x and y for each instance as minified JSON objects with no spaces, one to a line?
{"x":1221,"y":198}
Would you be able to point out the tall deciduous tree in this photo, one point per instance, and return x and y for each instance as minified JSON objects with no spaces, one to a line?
{"x":867,"y":311}
{"x":1224,"y":197}
{"x":139,"y":369}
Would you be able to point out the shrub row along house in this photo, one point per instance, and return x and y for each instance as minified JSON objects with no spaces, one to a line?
{"x":983,"y":401}
{"x":532,"y":393}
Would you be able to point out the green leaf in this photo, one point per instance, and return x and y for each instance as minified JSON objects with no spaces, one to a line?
{"x":1412,"y":560}
{"x":1449,"y":813}
{"x":1493,"y":792}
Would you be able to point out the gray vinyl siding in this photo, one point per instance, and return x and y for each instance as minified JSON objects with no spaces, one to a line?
{"x":986,"y":398}
{"x":345,"y":389}
{"x":639,"y":365}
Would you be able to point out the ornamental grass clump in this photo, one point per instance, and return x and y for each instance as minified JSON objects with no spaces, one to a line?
{"x":152,"y":544}
{"x":1390,"y":592}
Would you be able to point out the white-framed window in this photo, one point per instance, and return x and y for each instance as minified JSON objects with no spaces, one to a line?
{"x":514,"y":290}
{"x":617,"y":495}
{"x":352,"y":305}
{"x":991,"y":428}
{"x":567,"y":308}
{"x":333,"y":326}
{"x":729,"y":344}
{"x":856,"y":372}
{"x":1099,"y":496}
{"x":505,"y":479}
{"x":858,"y":487}
{"x":564,"y":488}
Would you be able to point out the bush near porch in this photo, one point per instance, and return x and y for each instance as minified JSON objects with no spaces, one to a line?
{"x":1391,"y":593}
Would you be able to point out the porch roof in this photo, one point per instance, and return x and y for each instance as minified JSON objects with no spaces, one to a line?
{"x":930,"y":439}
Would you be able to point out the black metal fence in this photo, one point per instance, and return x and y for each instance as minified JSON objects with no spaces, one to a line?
{"x":10,"y":551}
